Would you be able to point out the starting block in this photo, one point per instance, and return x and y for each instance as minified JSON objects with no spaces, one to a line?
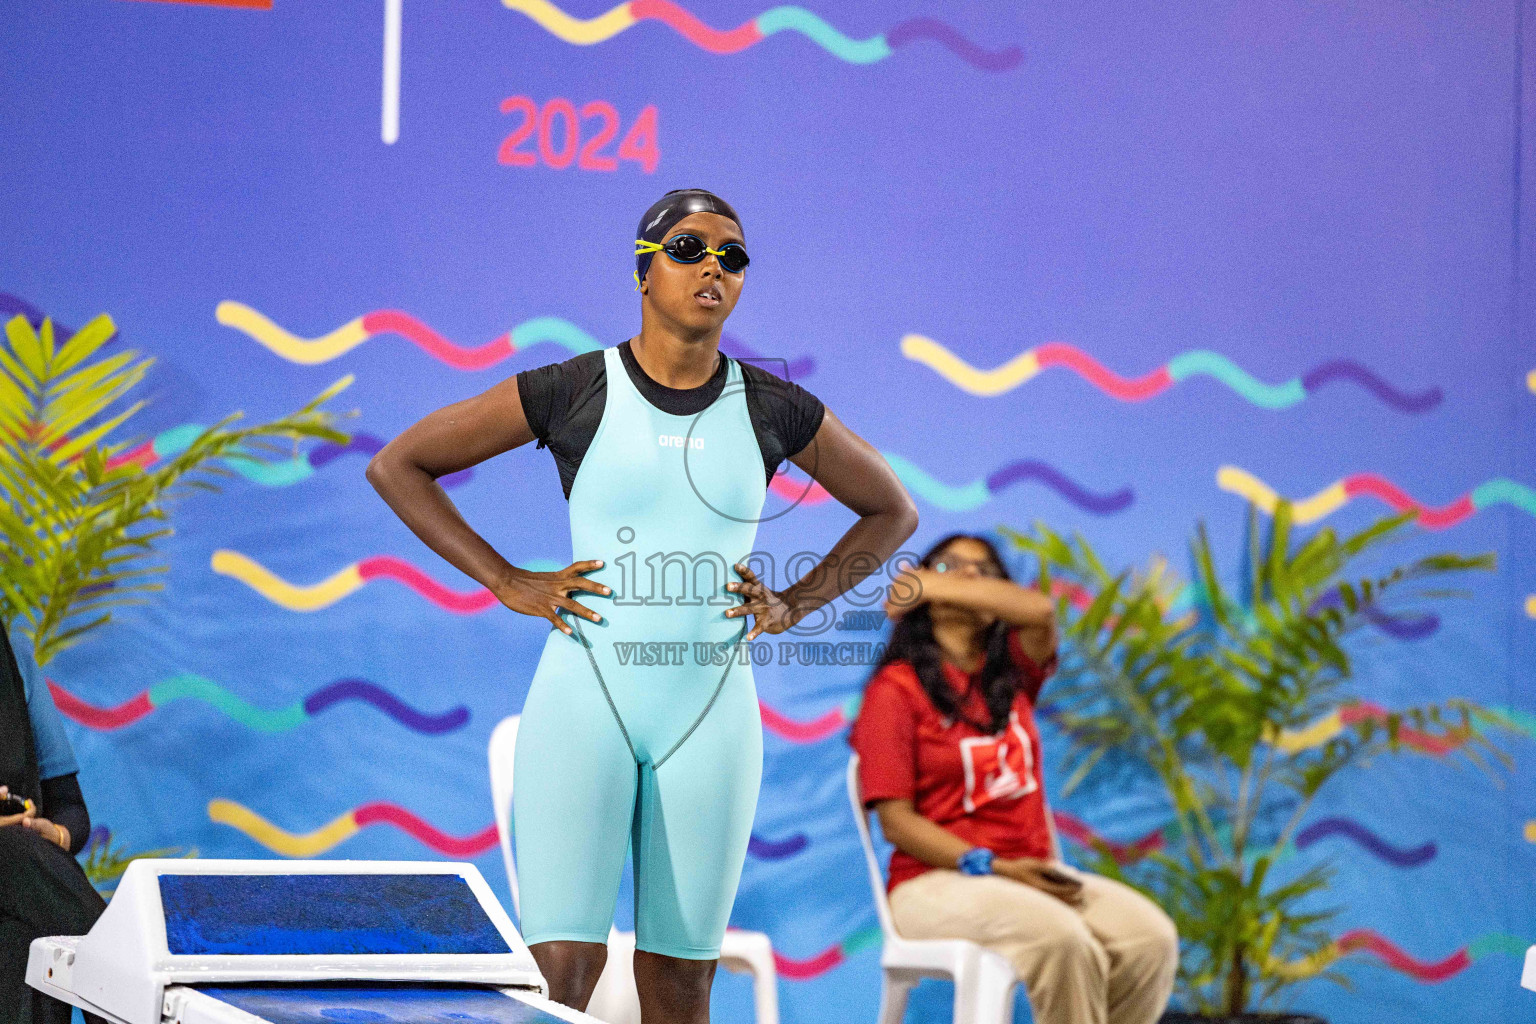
{"x":299,"y":942}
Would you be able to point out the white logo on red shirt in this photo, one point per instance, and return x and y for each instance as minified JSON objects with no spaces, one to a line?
{"x":1000,"y":767}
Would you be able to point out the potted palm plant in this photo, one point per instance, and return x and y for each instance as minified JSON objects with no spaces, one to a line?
{"x":1236,"y":707}
{"x":84,"y":507}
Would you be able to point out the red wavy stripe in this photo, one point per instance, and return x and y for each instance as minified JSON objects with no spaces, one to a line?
{"x":792,"y":490}
{"x":393,"y":321}
{"x":1395,"y":958}
{"x":385,"y":566}
{"x":799,"y":970}
{"x":1057,"y":353}
{"x":694,"y":30}
{"x":143,"y":454}
{"x":803,"y":732}
{"x":93,"y":717}
{"x":1428,"y":743}
{"x":1385,"y":490}
{"x":1124,"y":853}
{"x":405,"y":821}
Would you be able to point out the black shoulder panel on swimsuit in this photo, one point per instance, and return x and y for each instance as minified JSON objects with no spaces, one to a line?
{"x":563,"y":403}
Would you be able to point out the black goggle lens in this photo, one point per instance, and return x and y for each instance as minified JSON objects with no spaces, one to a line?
{"x":691,"y":249}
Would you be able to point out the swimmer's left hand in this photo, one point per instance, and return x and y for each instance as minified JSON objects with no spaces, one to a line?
{"x":770,"y":613}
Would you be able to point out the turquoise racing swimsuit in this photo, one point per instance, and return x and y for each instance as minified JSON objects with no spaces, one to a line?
{"x":643,"y":730}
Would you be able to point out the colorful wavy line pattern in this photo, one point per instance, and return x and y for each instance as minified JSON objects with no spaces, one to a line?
{"x":588,"y":31}
{"x":1027,"y":365}
{"x":15,"y":305}
{"x":170,"y":443}
{"x":1129,"y":852}
{"x":315,"y":596}
{"x":815,"y":730}
{"x":1430,"y":972}
{"x":194,"y":687}
{"x":1336,"y":495}
{"x":1530,"y":606}
{"x":340,"y":829}
{"x":337,"y":343}
{"x":1294,"y":741}
{"x":973,"y":495}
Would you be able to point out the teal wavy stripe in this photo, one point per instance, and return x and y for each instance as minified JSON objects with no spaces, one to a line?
{"x":1496,"y":943}
{"x":171,"y":443}
{"x":937,"y":492}
{"x":1214,"y":364}
{"x":552,"y":328}
{"x":798,"y":19}
{"x":1518,"y":719}
{"x":1506,"y":492}
{"x":542,"y":565}
{"x":206,"y":690}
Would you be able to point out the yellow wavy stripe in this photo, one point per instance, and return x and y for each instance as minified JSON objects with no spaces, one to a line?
{"x":286,"y":844}
{"x":965,"y":376}
{"x":1294,"y":741}
{"x":1306,"y":967}
{"x":574,"y":30}
{"x":1530,"y":606}
{"x":1239,"y":481}
{"x":307,"y":351}
{"x":1530,"y":831}
{"x":279,"y":591}
{"x":1530,"y":380}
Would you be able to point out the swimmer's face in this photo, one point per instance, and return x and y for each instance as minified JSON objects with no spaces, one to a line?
{"x":696,"y":296}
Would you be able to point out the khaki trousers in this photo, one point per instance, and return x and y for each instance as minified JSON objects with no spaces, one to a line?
{"x":1110,"y":961}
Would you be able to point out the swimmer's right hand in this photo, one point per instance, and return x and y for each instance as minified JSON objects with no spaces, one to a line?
{"x":543,"y":594}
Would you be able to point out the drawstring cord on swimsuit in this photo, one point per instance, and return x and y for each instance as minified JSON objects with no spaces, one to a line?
{"x":696,"y":722}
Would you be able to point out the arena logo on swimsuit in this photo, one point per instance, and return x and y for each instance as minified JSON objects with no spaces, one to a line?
{"x":679,"y":441}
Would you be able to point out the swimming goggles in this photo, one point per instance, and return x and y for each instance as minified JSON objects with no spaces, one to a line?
{"x":692,"y":249}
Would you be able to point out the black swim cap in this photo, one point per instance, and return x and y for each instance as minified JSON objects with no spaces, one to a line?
{"x":671,"y":208}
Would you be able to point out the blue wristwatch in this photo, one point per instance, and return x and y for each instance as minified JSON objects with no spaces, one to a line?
{"x":976,"y":861}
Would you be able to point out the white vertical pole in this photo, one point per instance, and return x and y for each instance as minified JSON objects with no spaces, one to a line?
{"x":391,"y":127}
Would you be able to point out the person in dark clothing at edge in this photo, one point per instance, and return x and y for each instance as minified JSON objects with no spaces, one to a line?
{"x":43,"y":889}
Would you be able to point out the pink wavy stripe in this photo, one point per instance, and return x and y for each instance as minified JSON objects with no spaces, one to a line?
{"x":1058,"y":353}
{"x":695,"y":31}
{"x":442,"y":842}
{"x":1426,"y":742}
{"x":1362,"y":938}
{"x":1387,"y":491}
{"x":93,"y":717}
{"x":799,"y":970}
{"x":1081,"y":832}
{"x":394,"y":321}
{"x":387,"y":567}
{"x":803,"y":732}
{"x":792,"y":490}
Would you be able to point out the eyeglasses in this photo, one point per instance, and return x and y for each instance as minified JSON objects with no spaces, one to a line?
{"x":983,"y":566}
{"x":692,"y":249}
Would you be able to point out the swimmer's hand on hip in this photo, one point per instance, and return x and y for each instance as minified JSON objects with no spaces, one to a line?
{"x":543,"y":594}
{"x":770,"y":612}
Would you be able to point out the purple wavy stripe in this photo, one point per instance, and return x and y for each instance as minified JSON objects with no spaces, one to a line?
{"x":394,"y":707}
{"x":770,"y":849}
{"x":10,"y":305}
{"x":369,"y":444}
{"x":100,"y":835}
{"x":1030,"y":469}
{"x":1347,"y":369}
{"x":1398,"y":627}
{"x":789,"y":369}
{"x":1368,"y":840}
{"x":915,"y":29}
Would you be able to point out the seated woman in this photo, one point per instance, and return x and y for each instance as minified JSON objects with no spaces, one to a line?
{"x":949,"y":758}
{"x":43,"y":890}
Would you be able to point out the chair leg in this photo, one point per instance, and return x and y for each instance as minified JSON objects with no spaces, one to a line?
{"x":984,"y":991}
{"x":765,"y":995}
{"x":893,"y":998}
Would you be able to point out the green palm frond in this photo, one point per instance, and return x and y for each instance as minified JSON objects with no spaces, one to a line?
{"x":80,"y":522}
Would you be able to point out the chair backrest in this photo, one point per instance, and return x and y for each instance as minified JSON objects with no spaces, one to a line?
{"x":502,"y":747}
{"x":876,"y":876}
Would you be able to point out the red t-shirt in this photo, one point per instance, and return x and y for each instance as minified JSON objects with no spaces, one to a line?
{"x":986,"y":789}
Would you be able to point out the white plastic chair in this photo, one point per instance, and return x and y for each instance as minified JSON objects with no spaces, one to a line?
{"x":615,"y":1000}
{"x":984,"y":981}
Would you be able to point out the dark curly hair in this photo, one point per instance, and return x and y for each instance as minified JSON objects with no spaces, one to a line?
{"x":912,"y":641}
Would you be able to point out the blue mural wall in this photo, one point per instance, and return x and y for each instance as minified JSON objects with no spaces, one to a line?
{"x":1111,"y":266}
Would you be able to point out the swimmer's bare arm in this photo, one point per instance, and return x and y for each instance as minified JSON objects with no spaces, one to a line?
{"x":455,"y":438}
{"x":857,"y":475}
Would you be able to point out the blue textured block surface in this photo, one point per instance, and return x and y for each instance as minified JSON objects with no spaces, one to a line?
{"x":265,"y":914}
{"x":378,"y":1004}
